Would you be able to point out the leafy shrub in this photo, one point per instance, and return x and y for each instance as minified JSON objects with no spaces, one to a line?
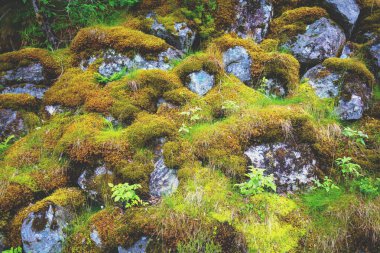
{"x":257,"y":182}
{"x":368,"y":186}
{"x":357,"y":136}
{"x":126,"y":194}
{"x":348,"y":168}
{"x":13,"y":250}
{"x":327,"y":184}
{"x":114,"y":77}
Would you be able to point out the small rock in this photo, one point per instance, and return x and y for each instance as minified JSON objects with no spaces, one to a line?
{"x":11,"y":123}
{"x":139,"y":247}
{"x":252,"y":19}
{"x":352,"y":109}
{"x":28,"y":88}
{"x":87,"y":181}
{"x":42,"y":232}
{"x":322,"y":39}
{"x":292,"y":166}
{"x":375,"y":52}
{"x":34,"y":73}
{"x":53,"y":109}
{"x":346,"y":12}
{"x":325,"y":83}
{"x":201,"y":82}
{"x":275,"y":87}
{"x":94,"y":235}
{"x":163,"y":180}
{"x":347,"y":51}
{"x":237,"y":61}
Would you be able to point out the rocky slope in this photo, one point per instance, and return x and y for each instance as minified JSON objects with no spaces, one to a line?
{"x":183,"y":108}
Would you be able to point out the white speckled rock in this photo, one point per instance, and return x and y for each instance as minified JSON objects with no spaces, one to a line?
{"x":139,"y":246}
{"x":346,"y":12}
{"x":201,"y":82}
{"x":237,"y":61}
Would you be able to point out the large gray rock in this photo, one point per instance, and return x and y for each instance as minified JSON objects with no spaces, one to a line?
{"x":322,"y":39}
{"x":252,"y":19}
{"x":139,"y":246}
{"x":292,"y":166}
{"x":114,"y":62}
{"x":11,"y":123}
{"x":163,"y":180}
{"x":238,"y":62}
{"x":33,"y":73}
{"x":346,"y":12}
{"x":182,"y":38}
{"x":31,"y":89}
{"x":201,"y":82}
{"x":88,"y":182}
{"x":43,"y":232}
{"x":353,"y":94}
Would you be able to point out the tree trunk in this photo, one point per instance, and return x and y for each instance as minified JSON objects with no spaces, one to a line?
{"x":45,"y":25}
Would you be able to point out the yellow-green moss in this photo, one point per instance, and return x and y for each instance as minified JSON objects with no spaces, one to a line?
{"x":94,"y":39}
{"x":225,"y":14}
{"x":18,"y":101}
{"x":69,"y":198}
{"x":293,"y":22}
{"x":228,"y":41}
{"x":27,"y":56}
{"x":148,"y":127}
{"x":179,"y":96}
{"x":352,"y":66}
{"x":14,"y":196}
{"x":270,"y":45}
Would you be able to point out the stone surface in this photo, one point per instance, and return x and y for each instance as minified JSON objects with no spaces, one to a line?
{"x":348,"y":51}
{"x":292,"y":166}
{"x":53,"y":109}
{"x":31,"y":89}
{"x":163,"y":180}
{"x":354,"y":94}
{"x":252,"y":19}
{"x":201,"y":82}
{"x":275,"y":87}
{"x":183,"y":38}
{"x":322,"y":39}
{"x":237,"y":61}
{"x":114,"y":62}
{"x":346,"y":12}
{"x":11,"y":123}
{"x":375,"y":52}
{"x":94,"y":235}
{"x":34,"y":73}
{"x":42,"y":232}
{"x":88,"y":183}
{"x":352,"y":109}
{"x":139,"y":246}
{"x":325,"y":84}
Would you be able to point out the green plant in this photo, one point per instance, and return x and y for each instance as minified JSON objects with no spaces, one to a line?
{"x":13,"y":250}
{"x":114,"y":77}
{"x":230,"y":106}
{"x":5,"y":144}
{"x":368,"y":186}
{"x":126,"y":194}
{"x":357,"y":136}
{"x":327,"y":184}
{"x":347,"y":167}
{"x":257,"y":182}
{"x":263,"y":86}
{"x":184,"y":129}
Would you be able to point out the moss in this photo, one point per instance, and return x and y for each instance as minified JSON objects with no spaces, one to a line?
{"x":293,"y":22}
{"x":99,"y":101}
{"x":230,"y":40}
{"x":18,"y":101}
{"x":27,"y":56}
{"x":177,"y":153}
{"x":269,"y":45}
{"x":225,"y":13}
{"x":91,"y":40}
{"x":72,"y":89}
{"x":352,"y":66}
{"x":170,"y":20}
{"x":14,"y":196}
{"x":179,"y":96}
{"x":147,"y":128}
{"x":69,"y":198}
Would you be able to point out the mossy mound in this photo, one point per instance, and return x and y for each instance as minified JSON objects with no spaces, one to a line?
{"x":18,"y":102}
{"x":27,"y":56}
{"x":92,"y":40}
{"x":294,"y":22}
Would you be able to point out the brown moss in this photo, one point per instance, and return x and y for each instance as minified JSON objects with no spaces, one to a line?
{"x":269,"y":45}
{"x":99,"y":101}
{"x":18,"y":101}
{"x":177,"y":153}
{"x":69,"y":198}
{"x":27,"y":56}
{"x":14,"y":196}
{"x":91,"y":40}
{"x":293,"y":22}
{"x":230,"y":40}
{"x":225,"y":13}
{"x":72,"y":89}
{"x":352,"y":66}
{"x":179,"y":96}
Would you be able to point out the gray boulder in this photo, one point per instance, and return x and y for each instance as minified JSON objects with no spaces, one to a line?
{"x":114,"y":62}
{"x":33,"y":73}
{"x":238,"y":62}
{"x":87,"y":181}
{"x":252,"y":19}
{"x":183,"y":37}
{"x":322,"y":39}
{"x":353,"y":94}
{"x":201,"y":82}
{"x":346,"y":12}
{"x":163,"y":180}
{"x":292,"y":166}
{"x":11,"y":123}
{"x":139,"y":246}
{"x":31,"y":89}
{"x":375,"y":52}
{"x":43,"y":232}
